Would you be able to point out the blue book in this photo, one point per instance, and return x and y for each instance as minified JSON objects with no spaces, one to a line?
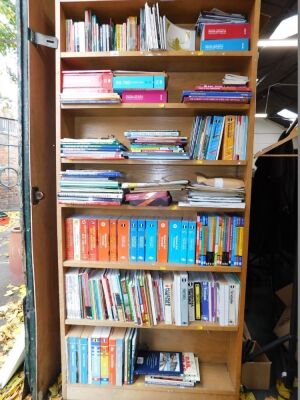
{"x":233,"y":241}
{"x":215,"y":139}
{"x":83,"y":358}
{"x":72,"y":344}
{"x":208,"y":130}
{"x":204,"y":299}
{"x":95,"y":356}
{"x":212,"y":93}
{"x":174,"y":241}
{"x":151,"y":240}
{"x":133,"y":240}
{"x":141,"y":240}
{"x":184,"y":241}
{"x":225,"y":45}
{"x":121,"y":83}
{"x":119,"y":359}
{"x":158,"y":363}
{"x":97,"y":298}
{"x":191,"y":247}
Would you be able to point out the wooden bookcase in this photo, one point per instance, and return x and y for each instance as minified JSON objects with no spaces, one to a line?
{"x":218,"y":348}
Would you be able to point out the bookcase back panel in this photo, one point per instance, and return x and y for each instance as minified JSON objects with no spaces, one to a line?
{"x":208,"y":346}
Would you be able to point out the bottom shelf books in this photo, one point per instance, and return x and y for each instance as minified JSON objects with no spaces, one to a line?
{"x":150,"y":298}
{"x":100,"y":356}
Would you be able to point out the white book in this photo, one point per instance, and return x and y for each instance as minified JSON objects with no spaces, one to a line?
{"x":168,"y":297}
{"x":81,"y":32}
{"x":184,"y":319}
{"x":153,"y":308}
{"x":177,"y":307}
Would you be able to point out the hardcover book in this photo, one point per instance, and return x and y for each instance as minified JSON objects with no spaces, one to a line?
{"x":158,"y":363}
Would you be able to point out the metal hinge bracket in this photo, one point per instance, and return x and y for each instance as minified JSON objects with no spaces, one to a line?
{"x":42,"y":40}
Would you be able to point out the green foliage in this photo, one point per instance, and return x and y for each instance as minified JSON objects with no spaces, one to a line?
{"x":8,"y":33}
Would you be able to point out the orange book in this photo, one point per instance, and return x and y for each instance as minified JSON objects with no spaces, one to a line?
{"x":69,"y":244}
{"x":113,"y":240}
{"x":84,"y":243}
{"x":123,"y":239}
{"x":228,"y":141}
{"x":93,"y":242}
{"x":162,"y":247}
{"x":103,"y":239}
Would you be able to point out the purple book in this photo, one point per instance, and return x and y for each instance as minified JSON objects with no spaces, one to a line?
{"x":144,"y":96}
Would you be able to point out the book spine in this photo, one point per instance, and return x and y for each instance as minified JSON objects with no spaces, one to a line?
{"x":133,"y":239}
{"x":174,"y":240}
{"x":113,"y":240}
{"x":162,"y":251}
{"x":84,"y":245}
{"x":191,"y":301}
{"x":119,"y":361}
{"x":104,"y":360}
{"x":69,"y":247}
{"x":123,"y":239}
{"x":76,"y":238}
{"x":204,"y":301}
{"x":143,"y":96}
{"x":197,"y":288}
{"x":92,"y":239}
{"x":95,"y":361}
{"x":83,"y":351}
{"x":225,"y":31}
{"x":168,"y":299}
{"x":141,"y":240}
{"x":73,"y":359}
{"x":184,"y":241}
{"x":191,"y":245}
{"x":151,"y":240}
{"x":103,"y":240}
{"x":184,"y":299}
{"x":225,"y":45}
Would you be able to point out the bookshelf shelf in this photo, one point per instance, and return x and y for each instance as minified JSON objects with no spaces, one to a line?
{"x":149,"y":266}
{"x":193,"y":326}
{"x":174,"y":208}
{"x":158,"y":109}
{"x":217,"y":163}
{"x":215,"y":379}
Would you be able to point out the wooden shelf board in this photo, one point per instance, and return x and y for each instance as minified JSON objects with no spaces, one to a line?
{"x":193,"y":326}
{"x":217,"y":163}
{"x":133,"y":54}
{"x":149,"y":266}
{"x":153,"y":109}
{"x":215,"y":379}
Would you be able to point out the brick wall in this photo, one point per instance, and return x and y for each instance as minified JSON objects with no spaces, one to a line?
{"x":10,"y":197}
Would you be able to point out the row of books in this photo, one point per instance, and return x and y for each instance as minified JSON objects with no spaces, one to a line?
{"x":152,"y":144}
{"x":219,"y":137}
{"x":90,"y":187}
{"x":152,"y":297}
{"x":87,"y":149}
{"x":153,"y":32}
{"x":220,"y":192}
{"x":211,"y":240}
{"x":101,"y":355}
{"x":221,"y":31}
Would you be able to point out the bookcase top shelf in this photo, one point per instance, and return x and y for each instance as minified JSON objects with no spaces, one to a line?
{"x":152,"y":109}
{"x":149,"y":266}
{"x":221,"y":163}
{"x":193,"y":326}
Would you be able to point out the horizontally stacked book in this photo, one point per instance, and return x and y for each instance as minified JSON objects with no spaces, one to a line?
{"x":156,"y":144}
{"x":219,"y":137}
{"x":210,"y":240}
{"x":221,"y":31}
{"x":92,"y":149}
{"x":149,"y":298}
{"x":215,"y":192}
{"x":153,"y":32}
{"x":90,"y":187}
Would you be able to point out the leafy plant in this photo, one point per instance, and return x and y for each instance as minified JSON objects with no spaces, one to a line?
{"x":8,"y":32}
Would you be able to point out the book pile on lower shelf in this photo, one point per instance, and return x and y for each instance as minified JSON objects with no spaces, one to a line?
{"x":141,"y":86}
{"x":88,"y":87}
{"x":90,"y":187}
{"x":219,"y":137}
{"x":215,"y":192}
{"x":153,"y":144}
{"x":101,"y":355}
{"x":210,"y":241}
{"x":216,"y":93}
{"x":221,"y":31}
{"x":92,"y":149}
{"x":168,"y":368}
{"x":152,"y":297}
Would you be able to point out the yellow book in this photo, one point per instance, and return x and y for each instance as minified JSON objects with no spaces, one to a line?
{"x":104,"y":355}
{"x":197,"y":289}
{"x":240,"y":244}
{"x":228,"y":144}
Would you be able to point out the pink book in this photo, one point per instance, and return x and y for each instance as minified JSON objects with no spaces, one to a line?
{"x":87,"y":79}
{"x":144,"y":96}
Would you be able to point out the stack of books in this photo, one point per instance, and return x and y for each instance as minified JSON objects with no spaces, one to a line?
{"x":165,"y":373}
{"x":168,"y":368}
{"x":156,"y":144}
{"x":140,"y":86}
{"x":92,"y":149}
{"x":152,"y":193}
{"x":153,"y":32}
{"x":219,"y":137}
{"x":221,"y":31}
{"x":101,"y":356}
{"x":90,"y":187}
{"x":148,"y":298}
{"x":215,"y":192}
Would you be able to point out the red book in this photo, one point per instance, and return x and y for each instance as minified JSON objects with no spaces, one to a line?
{"x":69,"y":246}
{"x":123,"y":239}
{"x":222,"y":88}
{"x":144,"y":96}
{"x":103,"y":239}
{"x":87,"y":79}
{"x":113,"y":240}
{"x":84,"y":243}
{"x":225,"y":31}
{"x":112,"y":359}
{"x":93,"y":236}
